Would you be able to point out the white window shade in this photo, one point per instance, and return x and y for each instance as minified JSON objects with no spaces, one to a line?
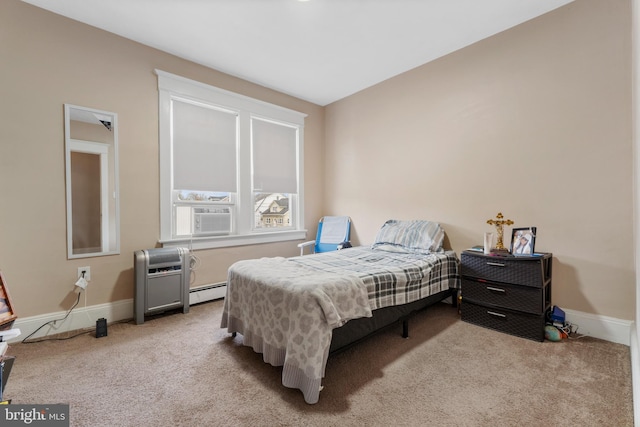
{"x":204,"y":148}
{"x":274,"y":149}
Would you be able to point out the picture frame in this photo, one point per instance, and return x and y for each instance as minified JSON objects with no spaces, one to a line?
{"x":7,"y":312}
{"x":523,"y":241}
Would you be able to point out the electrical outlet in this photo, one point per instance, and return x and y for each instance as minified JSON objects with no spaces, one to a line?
{"x":87,"y":273}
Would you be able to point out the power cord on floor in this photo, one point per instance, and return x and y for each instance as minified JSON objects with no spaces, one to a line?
{"x":571,"y":329}
{"x":50,"y":322}
{"x":58,"y":338}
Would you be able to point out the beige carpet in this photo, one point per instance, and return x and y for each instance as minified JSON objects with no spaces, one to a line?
{"x":183,"y":370}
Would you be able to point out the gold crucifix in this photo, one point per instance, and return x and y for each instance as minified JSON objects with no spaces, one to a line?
{"x":499,"y":223}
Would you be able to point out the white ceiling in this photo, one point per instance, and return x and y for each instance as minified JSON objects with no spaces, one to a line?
{"x":316,"y":50}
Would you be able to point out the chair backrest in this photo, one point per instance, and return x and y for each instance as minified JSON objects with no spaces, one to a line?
{"x":332,"y":231}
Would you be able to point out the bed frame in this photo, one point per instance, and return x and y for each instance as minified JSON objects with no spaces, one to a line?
{"x":358,"y":330}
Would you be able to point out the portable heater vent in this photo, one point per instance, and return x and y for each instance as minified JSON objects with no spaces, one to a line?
{"x":162,"y":281}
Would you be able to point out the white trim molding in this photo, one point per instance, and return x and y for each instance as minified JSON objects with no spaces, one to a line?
{"x":85,"y":317}
{"x":602,"y":327}
{"x":79,"y":318}
{"x":635,"y":374}
{"x":206,"y":293}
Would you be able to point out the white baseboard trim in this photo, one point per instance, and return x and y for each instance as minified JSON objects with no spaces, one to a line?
{"x":635,"y":374}
{"x":79,"y":318}
{"x":205,"y":293}
{"x":85,"y":317}
{"x":603,"y":327}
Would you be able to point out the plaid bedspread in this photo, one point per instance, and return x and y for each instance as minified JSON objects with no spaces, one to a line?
{"x":391,"y":278}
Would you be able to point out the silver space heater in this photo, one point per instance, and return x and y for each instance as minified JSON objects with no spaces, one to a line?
{"x":161,"y":281}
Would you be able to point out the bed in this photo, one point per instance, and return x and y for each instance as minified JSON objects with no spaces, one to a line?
{"x":296,"y":311}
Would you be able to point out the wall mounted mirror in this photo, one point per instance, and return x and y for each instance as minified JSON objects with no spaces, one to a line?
{"x":91,"y":157}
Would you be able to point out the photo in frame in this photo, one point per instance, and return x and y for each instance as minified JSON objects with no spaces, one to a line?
{"x":7,"y":312}
{"x":523,"y":241}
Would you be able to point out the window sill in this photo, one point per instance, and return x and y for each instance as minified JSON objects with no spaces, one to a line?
{"x":212,"y":242}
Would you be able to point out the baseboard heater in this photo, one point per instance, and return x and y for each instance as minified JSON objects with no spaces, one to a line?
{"x":209,"y":292}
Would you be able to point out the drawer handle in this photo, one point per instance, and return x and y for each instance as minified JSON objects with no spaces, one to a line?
{"x":493,"y":313}
{"x":490,"y":288}
{"x":496,"y":264}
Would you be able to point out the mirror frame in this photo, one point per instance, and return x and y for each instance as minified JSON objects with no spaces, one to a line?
{"x":94,"y":147}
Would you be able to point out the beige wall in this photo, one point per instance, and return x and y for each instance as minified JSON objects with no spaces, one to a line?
{"x":534,"y":122}
{"x":545,"y":107}
{"x":47,"y":61}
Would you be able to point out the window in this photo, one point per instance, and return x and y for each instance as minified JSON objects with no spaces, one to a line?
{"x":230,"y":167}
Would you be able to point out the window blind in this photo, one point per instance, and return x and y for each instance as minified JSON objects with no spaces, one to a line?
{"x":204,"y":147}
{"x":274,"y":155}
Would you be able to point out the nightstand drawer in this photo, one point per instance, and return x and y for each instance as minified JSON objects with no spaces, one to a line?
{"x":511,"y":322}
{"x":515,"y":297}
{"x":525,"y":271}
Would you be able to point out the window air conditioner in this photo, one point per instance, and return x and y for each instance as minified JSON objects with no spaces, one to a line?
{"x":211,"y":221}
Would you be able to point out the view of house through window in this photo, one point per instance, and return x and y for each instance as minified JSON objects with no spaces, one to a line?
{"x":272,"y":210}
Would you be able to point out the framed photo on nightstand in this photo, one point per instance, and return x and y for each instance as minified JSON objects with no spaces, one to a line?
{"x":523,"y":241}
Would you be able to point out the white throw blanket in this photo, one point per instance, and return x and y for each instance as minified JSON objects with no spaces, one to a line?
{"x":287,"y":312}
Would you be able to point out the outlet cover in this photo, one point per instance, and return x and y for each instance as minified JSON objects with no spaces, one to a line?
{"x":87,"y":273}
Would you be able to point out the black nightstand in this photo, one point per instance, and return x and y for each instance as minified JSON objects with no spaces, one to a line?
{"x":508,"y":294}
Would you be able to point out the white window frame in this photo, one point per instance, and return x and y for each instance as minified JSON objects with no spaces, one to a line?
{"x":243,"y":232}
